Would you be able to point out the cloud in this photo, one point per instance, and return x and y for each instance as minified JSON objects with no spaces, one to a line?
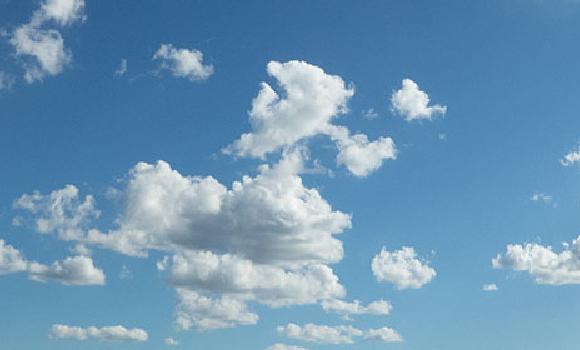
{"x":370,"y":114}
{"x":312,"y":99}
{"x":322,"y":334}
{"x":122,"y":69}
{"x":413,"y":103}
{"x":77,"y":270}
{"x":279,"y":346}
{"x":542,"y":263}
{"x":271,"y":285}
{"x":108,"y":333}
{"x":360,"y":156}
{"x":45,"y":45}
{"x":61,"y":212}
{"x":543,"y":198}
{"x":183,"y":63}
{"x":402,"y":268}
{"x":492,"y":287}
{"x":169,"y":341}
{"x":385,"y":335}
{"x":11,"y":260}
{"x":571,"y":157}
{"x":204,"y":313}
{"x":346,"y":309}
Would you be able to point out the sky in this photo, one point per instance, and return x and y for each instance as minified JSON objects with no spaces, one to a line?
{"x":289,"y":175}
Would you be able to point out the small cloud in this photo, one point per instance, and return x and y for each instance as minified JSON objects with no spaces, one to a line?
{"x":122,"y":69}
{"x":413,"y":103}
{"x":370,"y":114}
{"x":543,"y":198}
{"x":571,"y":157}
{"x":442,"y":137}
{"x":183,"y":63}
{"x":492,"y":287}
{"x":125,"y":273}
{"x":169,"y":341}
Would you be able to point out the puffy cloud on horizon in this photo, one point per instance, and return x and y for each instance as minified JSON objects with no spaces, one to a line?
{"x":204,"y":313}
{"x":311,"y":101}
{"x":279,"y":346}
{"x":341,"y":334}
{"x":77,"y":270}
{"x":45,"y":45}
{"x":61,"y":212}
{"x":402,"y":268}
{"x":183,"y":63}
{"x":346,"y":309}
{"x":413,"y":103}
{"x":542,"y":263}
{"x":108,"y":333}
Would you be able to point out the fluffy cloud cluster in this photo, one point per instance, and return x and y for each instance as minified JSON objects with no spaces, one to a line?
{"x":542,"y":263}
{"x":183,"y":63}
{"x":61,"y":211}
{"x":45,"y":45}
{"x":571,"y":157}
{"x":77,"y":270}
{"x":201,"y":312}
{"x":402,"y":268}
{"x":323,"y":334}
{"x":279,"y":346}
{"x":492,"y":287}
{"x":312,"y":100}
{"x":413,"y":104}
{"x":108,"y":333}
{"x":346,"y":309}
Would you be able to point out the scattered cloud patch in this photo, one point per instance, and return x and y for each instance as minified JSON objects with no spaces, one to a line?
{"x":280,"y":346}
{"x":402,"y":268}
{"x":341,"y":334}
{"x":370,"y":114}
{"x":384,"y":335}
{"x":571,"y":157}
{"x":311,"y":101}
{"x":183,"y":63}
{"x":108,"y":333}
{"x":542,"y":263}
{"x":6,"y":81}
{"x":43,"y":45}
{"x":122,"y":69}
{"x":492,"y":287}
{"x":413,"y":103}
{"x":169,"y":341}
{"x":346,"y":309}
{"x":543,"y":198}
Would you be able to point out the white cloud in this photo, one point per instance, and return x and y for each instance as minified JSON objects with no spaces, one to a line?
{"x":346,"y":309}
{"x":320,"y":333}
{"x":122,"y":69}
{"x":312,"y":99}
{"x":543,"y":198}
{"x":571,"y":157}
{"x":492,"y":287}
{"x":268,"y":284}
{"x":77,"y":270}
{"x":108,"y":333}
{"x":542,"y":263}
{"x":370,"y":114}
{"x":45,"y":45}
{"x":11,"y":260}
{"x":402,"y":268}
{"x":280,"y":346}
{"x":360,"y":156}
{"x":385,"y":335}
{"x":201,"y":312}
{"x":413,"y":103}
{"x":61,"y":211}
{"x":169,"y":341}
{"x":183,"y":63}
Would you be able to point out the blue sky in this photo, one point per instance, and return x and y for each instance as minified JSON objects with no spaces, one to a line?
{"x":157,"y":194}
